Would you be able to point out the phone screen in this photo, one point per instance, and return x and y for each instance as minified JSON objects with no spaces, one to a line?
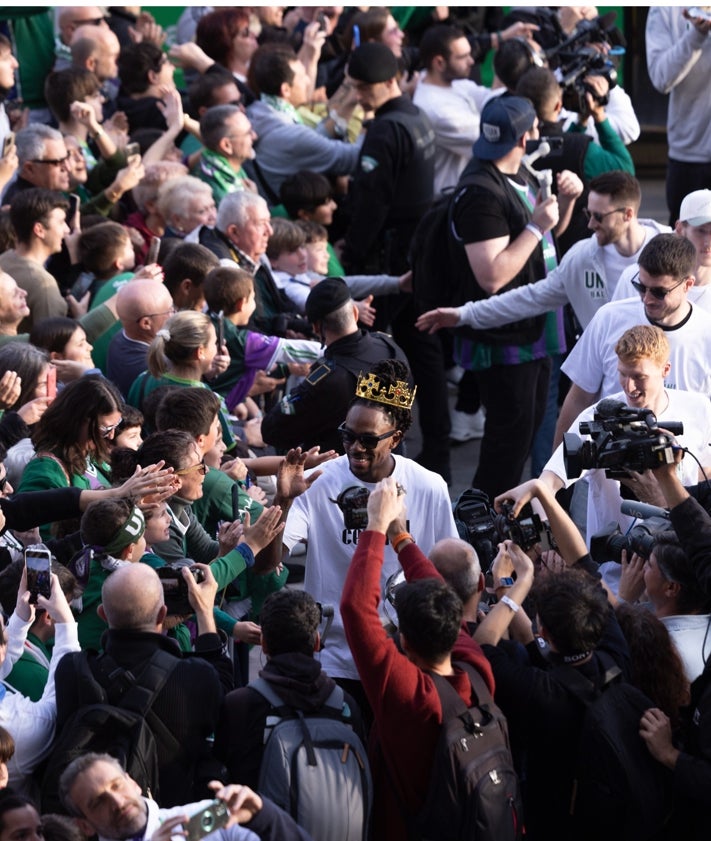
{"x":133,"y":149}
{"x":38,"y":563}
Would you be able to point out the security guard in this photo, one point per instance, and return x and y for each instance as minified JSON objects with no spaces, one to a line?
{"x":392,"y":189}
{"x":312,"y":412}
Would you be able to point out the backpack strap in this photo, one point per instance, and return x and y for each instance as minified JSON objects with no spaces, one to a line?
{"x":581,"y":687}
{"x":138,"y":693}
{"x":453,"y":705}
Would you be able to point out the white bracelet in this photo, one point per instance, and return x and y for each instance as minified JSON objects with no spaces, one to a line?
{"x":535,"y":230}
{"x":510,"y":603}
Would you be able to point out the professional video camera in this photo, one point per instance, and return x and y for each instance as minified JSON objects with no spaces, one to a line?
{"x":623,"y":439}
{"x":484,"y":528}
{"x":607,"y":544}
{"x":575,"y":58}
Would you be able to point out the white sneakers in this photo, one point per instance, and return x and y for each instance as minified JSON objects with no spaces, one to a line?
{"x":466,"y":427}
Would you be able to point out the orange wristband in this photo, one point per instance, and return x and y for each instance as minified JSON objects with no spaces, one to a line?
{"x":401,"y":538}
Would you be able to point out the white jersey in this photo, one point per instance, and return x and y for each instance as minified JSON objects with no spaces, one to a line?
{"x":693,"y":410}
{"x":314,"y":517}
{"x":592,"y":363}
{"x":582,"y":280}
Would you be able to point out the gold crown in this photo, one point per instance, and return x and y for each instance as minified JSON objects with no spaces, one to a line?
{"x":398,"y":395}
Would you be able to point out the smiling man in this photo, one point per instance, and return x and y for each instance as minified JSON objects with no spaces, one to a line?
{"x":666,"y":267}
{"x":586,"y":277}
{"x":643,"y":366}
{"x":377,"y":420}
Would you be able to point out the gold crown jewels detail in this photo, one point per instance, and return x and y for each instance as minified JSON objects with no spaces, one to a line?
{"x":398,"y":395}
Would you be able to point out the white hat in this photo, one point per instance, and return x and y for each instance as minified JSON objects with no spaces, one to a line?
{"x":696,"y":208}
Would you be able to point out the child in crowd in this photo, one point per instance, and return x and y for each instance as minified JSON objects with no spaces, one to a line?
{"x":289,"y":260}
{"x":128,"y":432}
{"x":229,"y":293}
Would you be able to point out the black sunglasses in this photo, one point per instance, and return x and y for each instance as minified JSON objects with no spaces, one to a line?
{"x":368,"y":440}
{"x":657,"y":292}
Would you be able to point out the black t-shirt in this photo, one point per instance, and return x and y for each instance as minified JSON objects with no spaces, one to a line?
{"x":480,"y":215}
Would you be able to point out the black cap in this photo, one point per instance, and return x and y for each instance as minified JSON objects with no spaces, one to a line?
{"x":372,"y":63}
{"x":326,"y":297}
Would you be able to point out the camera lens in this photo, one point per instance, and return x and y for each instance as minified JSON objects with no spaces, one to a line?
{"x":208,"y":821}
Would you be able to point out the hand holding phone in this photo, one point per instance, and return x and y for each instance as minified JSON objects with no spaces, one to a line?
{"x":38,"y":563}
{"x":8,"y":143}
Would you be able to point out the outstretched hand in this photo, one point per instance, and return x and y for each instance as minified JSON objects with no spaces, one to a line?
{"x":291,"y":481}
{"x":435,"y":320}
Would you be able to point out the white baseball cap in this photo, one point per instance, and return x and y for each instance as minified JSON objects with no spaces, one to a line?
{"x":696,"y":208}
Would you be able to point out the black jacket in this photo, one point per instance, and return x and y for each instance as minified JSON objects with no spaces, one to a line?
{"x":188,"y":704}
{"x":312,"y":412}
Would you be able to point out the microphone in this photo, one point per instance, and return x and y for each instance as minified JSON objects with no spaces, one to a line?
{"x":642,"y":510}
{"x":609,"y":408}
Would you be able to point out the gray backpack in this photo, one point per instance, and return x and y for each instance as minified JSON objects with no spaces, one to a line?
{"x":315,"y":767}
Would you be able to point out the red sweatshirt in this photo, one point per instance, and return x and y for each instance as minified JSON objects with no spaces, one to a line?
{"x":404,"y":699}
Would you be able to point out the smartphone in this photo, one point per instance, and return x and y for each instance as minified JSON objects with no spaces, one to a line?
{"x":74,"y":202}
{"x":321,"y":18}
{"x":8,"y":142}
{"x":153,"y":249}
{"x":207,"y":820}
{"x":220,"y":329}
{"x":133,"y":149}
{"x":38,"y":563}
{"x":356,"y":36}
{"x":51,"y":382}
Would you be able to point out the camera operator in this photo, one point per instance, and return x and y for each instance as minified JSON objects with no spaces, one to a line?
{"x":592,"y":36}
{"x":691,"y":766}
{"x":643,"y":364}
{"x":574,"y":618}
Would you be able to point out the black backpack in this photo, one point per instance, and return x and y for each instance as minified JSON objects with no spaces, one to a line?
{"x":441,"y":276}
{"x":315,"y":767}
{"x":118,"y":719}
{"x":474,"y":791}
{"x":620,"y":790}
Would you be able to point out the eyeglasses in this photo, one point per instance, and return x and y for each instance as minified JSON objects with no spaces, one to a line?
{"x":201,"y":466}
{"x":105,"y":431}
{"x":367,"y":440}
{"x":169,"y":312}
{"x":598,"y":217}
{"x":657,"y":292}
{"x":50,"y":161}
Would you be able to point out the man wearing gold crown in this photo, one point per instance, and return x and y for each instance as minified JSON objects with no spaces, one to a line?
{"x":330,"y":514}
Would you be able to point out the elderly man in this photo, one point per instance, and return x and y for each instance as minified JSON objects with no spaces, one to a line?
{"x":227,"y":136}
{"x":241,"y":234}
{"x":42,"y":156}
{"x":107,"y":802}
{"x":143,"y":307}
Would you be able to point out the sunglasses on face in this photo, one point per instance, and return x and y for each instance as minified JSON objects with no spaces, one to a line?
{"x":367,"y":440}
{"x":201,"y":466}
{"x":598,"y":217}
{"x":105,"y":431}
{"x":657,"y":292}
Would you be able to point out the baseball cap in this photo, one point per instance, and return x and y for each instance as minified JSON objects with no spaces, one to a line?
{"x":504,"y":121}
{"x":372,"y":63}
{"x":326,"y":297}
{"x":696,"y":208}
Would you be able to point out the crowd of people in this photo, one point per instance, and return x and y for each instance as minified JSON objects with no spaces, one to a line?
{"x":223,"y":304}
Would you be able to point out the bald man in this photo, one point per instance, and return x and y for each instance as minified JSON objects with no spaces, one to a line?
{"x":458,"y":563}
{"x":189,"y":700}
{"x":69,"y":19}
{"x":96,"y":48}
{"x":143,"y":307}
